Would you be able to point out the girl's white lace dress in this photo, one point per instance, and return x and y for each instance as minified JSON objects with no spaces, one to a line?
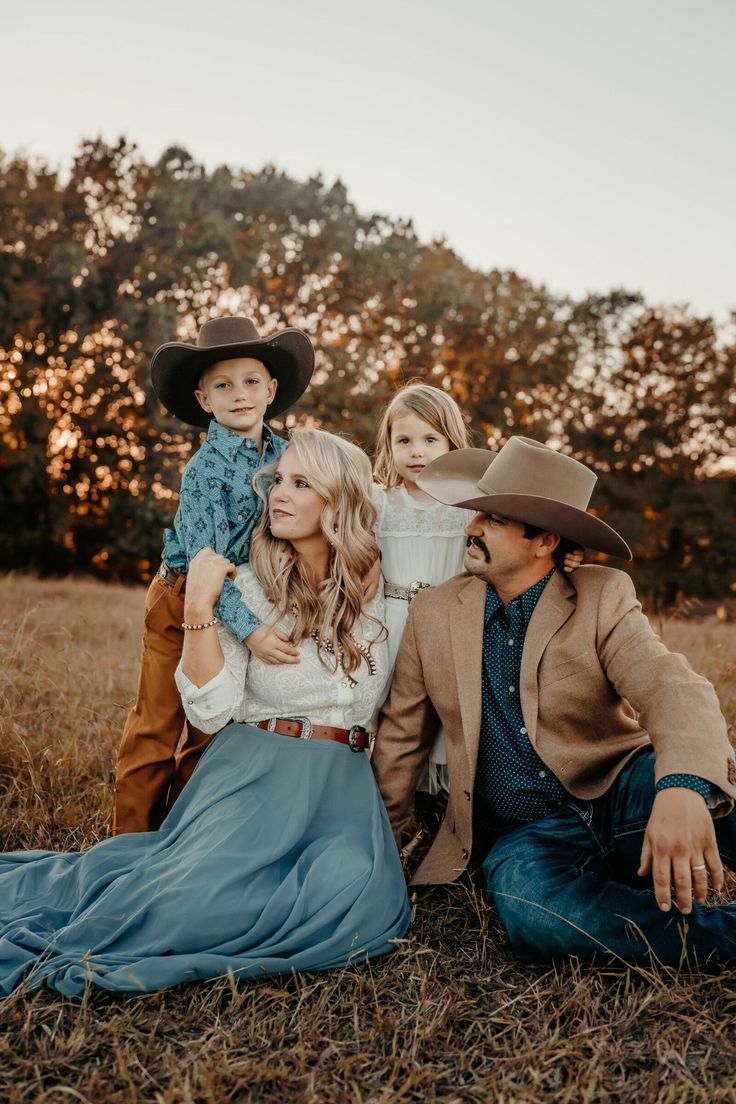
{"x":420,"y":542}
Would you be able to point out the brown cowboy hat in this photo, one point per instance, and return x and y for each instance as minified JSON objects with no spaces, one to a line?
{"x":176,"y":367}
{"x":526,"y":482}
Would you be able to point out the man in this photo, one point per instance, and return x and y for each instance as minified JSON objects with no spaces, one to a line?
{"x":586,"y":762}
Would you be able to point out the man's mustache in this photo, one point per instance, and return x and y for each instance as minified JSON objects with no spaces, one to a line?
{"x":479,"y":544}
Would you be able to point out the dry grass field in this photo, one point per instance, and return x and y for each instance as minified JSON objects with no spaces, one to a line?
{"x":449,"y":1017}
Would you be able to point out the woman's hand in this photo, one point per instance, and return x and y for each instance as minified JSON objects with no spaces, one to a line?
{"x":205,"y":580}
{"x":574,"y":559}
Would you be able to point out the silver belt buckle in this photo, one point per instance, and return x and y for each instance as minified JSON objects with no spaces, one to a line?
{"x":306,"y":732}
{"x":415,"y":587}
{"x":352,"y":733}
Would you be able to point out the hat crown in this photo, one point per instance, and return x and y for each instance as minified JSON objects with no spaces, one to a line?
{"x":227,"y":331}
{"x":526,"y":467}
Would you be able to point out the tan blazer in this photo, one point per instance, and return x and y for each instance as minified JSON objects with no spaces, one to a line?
{"x":596,"y":685}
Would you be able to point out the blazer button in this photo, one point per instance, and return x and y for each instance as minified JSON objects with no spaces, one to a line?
{"x":465,"y":853}
{"x":467,"y":794}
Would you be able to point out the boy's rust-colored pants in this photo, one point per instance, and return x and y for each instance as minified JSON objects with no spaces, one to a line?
{"x":150,"y":772}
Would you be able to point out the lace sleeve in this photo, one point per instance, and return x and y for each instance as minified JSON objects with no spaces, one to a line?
{"x":236,"y":657}
{"x":379,"y":501}
{"x":212,"y":706}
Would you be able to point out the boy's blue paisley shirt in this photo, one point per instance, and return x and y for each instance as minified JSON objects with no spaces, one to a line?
{"x":218,"y":509}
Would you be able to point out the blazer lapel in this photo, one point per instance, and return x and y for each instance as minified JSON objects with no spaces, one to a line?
{"x":466,"y":637}
{"x":551,"y":611}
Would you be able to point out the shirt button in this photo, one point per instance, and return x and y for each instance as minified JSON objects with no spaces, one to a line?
{"x":542,"y":774}
{"x":511,"y":689}
{"x":511,"y":643}
{"x":522,"y":731}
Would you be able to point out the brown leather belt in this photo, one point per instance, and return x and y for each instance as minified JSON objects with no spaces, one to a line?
{"x":357,"y":738}
{"x":170,"y":577}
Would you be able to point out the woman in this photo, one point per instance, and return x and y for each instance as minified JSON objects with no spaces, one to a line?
{"x":277,"y":856}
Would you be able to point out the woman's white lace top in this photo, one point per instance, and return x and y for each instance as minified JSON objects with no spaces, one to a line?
{"x":246,"y":689}
{"x":420,"y":542}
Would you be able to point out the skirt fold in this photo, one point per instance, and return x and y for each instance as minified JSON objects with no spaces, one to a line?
{"x":277,"y":857}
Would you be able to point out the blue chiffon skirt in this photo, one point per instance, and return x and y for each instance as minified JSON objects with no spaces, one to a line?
{"x":277,"y":857}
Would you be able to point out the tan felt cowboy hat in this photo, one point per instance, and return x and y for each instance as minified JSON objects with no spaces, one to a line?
{"x":176,"y":367}
{"x":526,"y":482}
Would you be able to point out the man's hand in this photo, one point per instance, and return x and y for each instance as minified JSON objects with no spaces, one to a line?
{"x":680,"y":849}
{"x":270,"y":645}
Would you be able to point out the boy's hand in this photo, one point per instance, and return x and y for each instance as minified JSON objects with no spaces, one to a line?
{"x":574,"y":559}
{"x":371,"y":581}
{"x":270,"y":645}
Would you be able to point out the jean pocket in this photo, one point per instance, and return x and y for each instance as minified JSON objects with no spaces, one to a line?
{"x":159,"y":613}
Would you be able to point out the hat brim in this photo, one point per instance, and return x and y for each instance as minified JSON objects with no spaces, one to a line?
{"x":176,"y":369}
{"x":453,"y":479}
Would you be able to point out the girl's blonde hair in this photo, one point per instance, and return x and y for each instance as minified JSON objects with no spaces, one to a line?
{"x":340,"y":473}
{"x":433,"y":406}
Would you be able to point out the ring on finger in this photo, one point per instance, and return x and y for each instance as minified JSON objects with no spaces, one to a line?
{"x":698,"y":869}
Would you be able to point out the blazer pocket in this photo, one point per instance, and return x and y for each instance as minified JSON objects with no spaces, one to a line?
{"x":566,"y":669}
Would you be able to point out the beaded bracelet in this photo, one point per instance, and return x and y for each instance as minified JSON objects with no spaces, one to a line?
{"x":204,"y":625}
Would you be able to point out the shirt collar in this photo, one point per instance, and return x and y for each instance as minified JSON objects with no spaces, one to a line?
{"x":527,"y":600}
{"x":228,"y":443}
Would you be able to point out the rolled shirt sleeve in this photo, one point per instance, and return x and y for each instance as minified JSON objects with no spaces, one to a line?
{"x":208,"y":707}
{"x":712,"y":795}
{"x":212,"y":706}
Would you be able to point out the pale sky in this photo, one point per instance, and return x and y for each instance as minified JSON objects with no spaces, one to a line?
{"x":586,"y":144}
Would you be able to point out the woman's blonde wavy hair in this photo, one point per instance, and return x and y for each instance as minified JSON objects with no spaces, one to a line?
{"x":340,"y":473}
{"x":433,"y":406}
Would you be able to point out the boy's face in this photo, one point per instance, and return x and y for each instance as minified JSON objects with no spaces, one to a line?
{"x":236,"y":392}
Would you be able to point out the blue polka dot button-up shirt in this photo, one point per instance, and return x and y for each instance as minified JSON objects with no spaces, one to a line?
{"x":512,"y":784}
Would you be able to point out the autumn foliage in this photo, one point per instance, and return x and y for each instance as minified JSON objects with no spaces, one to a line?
{"x":100,"y":264}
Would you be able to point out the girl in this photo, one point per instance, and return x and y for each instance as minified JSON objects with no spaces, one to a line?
{"x":422,"y":541}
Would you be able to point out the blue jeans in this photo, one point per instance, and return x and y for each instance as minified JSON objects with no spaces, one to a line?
{"x":567,"y":885}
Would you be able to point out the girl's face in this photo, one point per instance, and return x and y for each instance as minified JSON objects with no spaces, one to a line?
{"x":414,"y":444}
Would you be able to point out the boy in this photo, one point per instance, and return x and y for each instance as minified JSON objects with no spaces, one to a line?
{"x":230,"y":381}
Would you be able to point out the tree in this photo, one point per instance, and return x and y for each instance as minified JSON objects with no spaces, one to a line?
{"x":99,"y":267}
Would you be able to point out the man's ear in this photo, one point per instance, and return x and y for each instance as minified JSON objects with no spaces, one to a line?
{"x":203,"y":401}
{"x":547,"y":544}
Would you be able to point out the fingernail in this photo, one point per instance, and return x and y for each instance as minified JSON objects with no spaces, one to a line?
{"x":665,"y":908}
